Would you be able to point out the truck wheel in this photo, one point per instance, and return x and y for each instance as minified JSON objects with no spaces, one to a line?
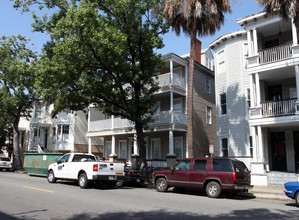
{"x":213,"y":189}
{"x":83,"y":181}
{"x":161,"y":185}
{"x":297,"y":198}
{"x":51,"y":178}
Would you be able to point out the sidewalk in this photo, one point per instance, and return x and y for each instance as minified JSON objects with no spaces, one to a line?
{"x":271,"y":192}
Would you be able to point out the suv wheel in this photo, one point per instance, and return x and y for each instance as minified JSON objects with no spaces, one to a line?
{"x":297,"y":198}
{"x":83,"y":181}
{"x":213,"y":189}
{"x":161,"y":185}
{"x":51,"y":178}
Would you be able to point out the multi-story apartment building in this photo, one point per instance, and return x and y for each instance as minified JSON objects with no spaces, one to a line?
{"x":166,"y":139}
{"x":64,"y":133}
{"x":257,"y":90}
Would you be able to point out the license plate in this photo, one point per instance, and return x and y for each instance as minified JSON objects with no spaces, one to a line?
{"x":111,"y":177}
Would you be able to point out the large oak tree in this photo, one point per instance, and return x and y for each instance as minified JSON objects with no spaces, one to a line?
{"x":101,"y":53}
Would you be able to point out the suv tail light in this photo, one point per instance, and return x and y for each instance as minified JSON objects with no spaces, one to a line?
{"x":234,"y":176}
{"x":95,"y":167}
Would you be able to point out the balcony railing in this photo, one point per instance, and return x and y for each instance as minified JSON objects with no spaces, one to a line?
{"x":275,"y":54}
{"x":279,"y":108}
{"x":165,"y":80}
{"x":163,"y":117}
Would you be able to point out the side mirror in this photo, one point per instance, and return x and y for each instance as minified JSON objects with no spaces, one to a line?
{"x":172,"y":169}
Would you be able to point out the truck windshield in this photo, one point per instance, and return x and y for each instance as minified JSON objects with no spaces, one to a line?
{"x":83,"y":158}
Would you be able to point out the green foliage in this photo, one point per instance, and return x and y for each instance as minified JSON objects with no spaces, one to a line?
{"x":100,"y":53}
{"x":17,"y":91}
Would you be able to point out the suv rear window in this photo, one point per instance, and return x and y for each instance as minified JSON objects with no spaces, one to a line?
{"x":4,"y":159}
{"x":222,"y":165}
{"x":240,"y":166}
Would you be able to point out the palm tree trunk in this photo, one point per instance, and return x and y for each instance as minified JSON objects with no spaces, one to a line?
{"x":190,"y":92}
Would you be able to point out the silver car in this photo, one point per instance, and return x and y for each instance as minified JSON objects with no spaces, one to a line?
{"x":5,"y":163}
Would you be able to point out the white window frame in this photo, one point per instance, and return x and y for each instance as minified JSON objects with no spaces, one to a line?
{"x":209,"y":115}
{"x":220,"y":103}
{"x":181,"y":104}
{"x":159,"y":148}
{"x":179,"y":73}
{"x":181,"y":149}
{"x":120,"y":150}
{"x":293,"y":90}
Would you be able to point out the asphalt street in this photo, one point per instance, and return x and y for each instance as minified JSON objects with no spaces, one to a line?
{"x":31,"y":197}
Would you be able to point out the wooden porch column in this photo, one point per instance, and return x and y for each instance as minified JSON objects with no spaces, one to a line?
{"x":260,"y":144}
{"x":254,"y":145}
{"x":255,"y":48}
{"x":249,"y":41}
{"x":258,"y":89}
{"x":297,"y":80}
{"x":252,"y":98}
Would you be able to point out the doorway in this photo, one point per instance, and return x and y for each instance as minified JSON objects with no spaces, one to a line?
{"x":274,"y":92}
{"x":279,"y":161}
{"x":296,"y":149}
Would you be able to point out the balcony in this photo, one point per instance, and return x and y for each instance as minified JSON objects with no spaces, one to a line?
{"x":165,"y":80}
{"x":279,"y":108}
{"x":164,"y":117}
{"x":275,"y":54}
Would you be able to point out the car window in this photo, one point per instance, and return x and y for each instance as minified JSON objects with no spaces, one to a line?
{"x":65,"y":158}
{"x":240,"y":166}
{"x":79,"y":158}
{"x":222,"y":165}
{"x":200,"y":165}
{"x":183,"y":165}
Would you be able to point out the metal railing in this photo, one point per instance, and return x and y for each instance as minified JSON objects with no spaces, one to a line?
{"x":275,"y":53}
{"x":278,"y":108}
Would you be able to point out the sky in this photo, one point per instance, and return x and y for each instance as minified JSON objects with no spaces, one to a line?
{"x":13,"y":22}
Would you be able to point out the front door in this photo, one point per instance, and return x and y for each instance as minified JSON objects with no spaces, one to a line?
{"x":296,"y":148}
{"x":279,"y":162}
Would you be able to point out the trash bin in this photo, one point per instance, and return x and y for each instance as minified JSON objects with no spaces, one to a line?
{"x":37,"y":163}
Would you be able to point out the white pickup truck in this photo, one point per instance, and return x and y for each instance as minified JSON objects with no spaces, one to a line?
{"x":84,"y":168}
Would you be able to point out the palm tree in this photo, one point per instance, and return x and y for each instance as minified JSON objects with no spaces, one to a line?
{"x":285,"y":8}
{"x":194,"y":17}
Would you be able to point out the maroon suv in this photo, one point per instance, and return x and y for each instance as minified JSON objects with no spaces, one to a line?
{"x":210,"y":174}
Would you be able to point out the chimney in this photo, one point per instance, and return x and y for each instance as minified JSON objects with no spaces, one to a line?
{"x":198,"y":51}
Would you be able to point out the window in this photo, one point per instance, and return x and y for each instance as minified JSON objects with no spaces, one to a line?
{"x":221,"y":62}
{"x":65,"y":133}
{"x":209,"y":115}
{"x":250,"y":146}
{"x":200,"y":165}
{"x":177,"y":105}
{"x":222,"y":165}
{"x":123,"y":149}
{"x":223,"y":103}
{"x":108,"y":149}
{"x":224,"y":147}
{"x":183,"y":165}
{"x":208,"y":85}
{"x":65,"y":158}
{"x":248,"y":98}
{"x":53,"y":135}
{"x":178,"y":147}
{"x":156,"y":148}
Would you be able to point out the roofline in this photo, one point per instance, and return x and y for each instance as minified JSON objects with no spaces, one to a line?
{"x":226,"y":37}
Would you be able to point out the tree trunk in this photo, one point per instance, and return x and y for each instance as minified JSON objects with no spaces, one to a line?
{"x":17,"y":151}
{"x":141,"y":144}
{"x":190,"y":92}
